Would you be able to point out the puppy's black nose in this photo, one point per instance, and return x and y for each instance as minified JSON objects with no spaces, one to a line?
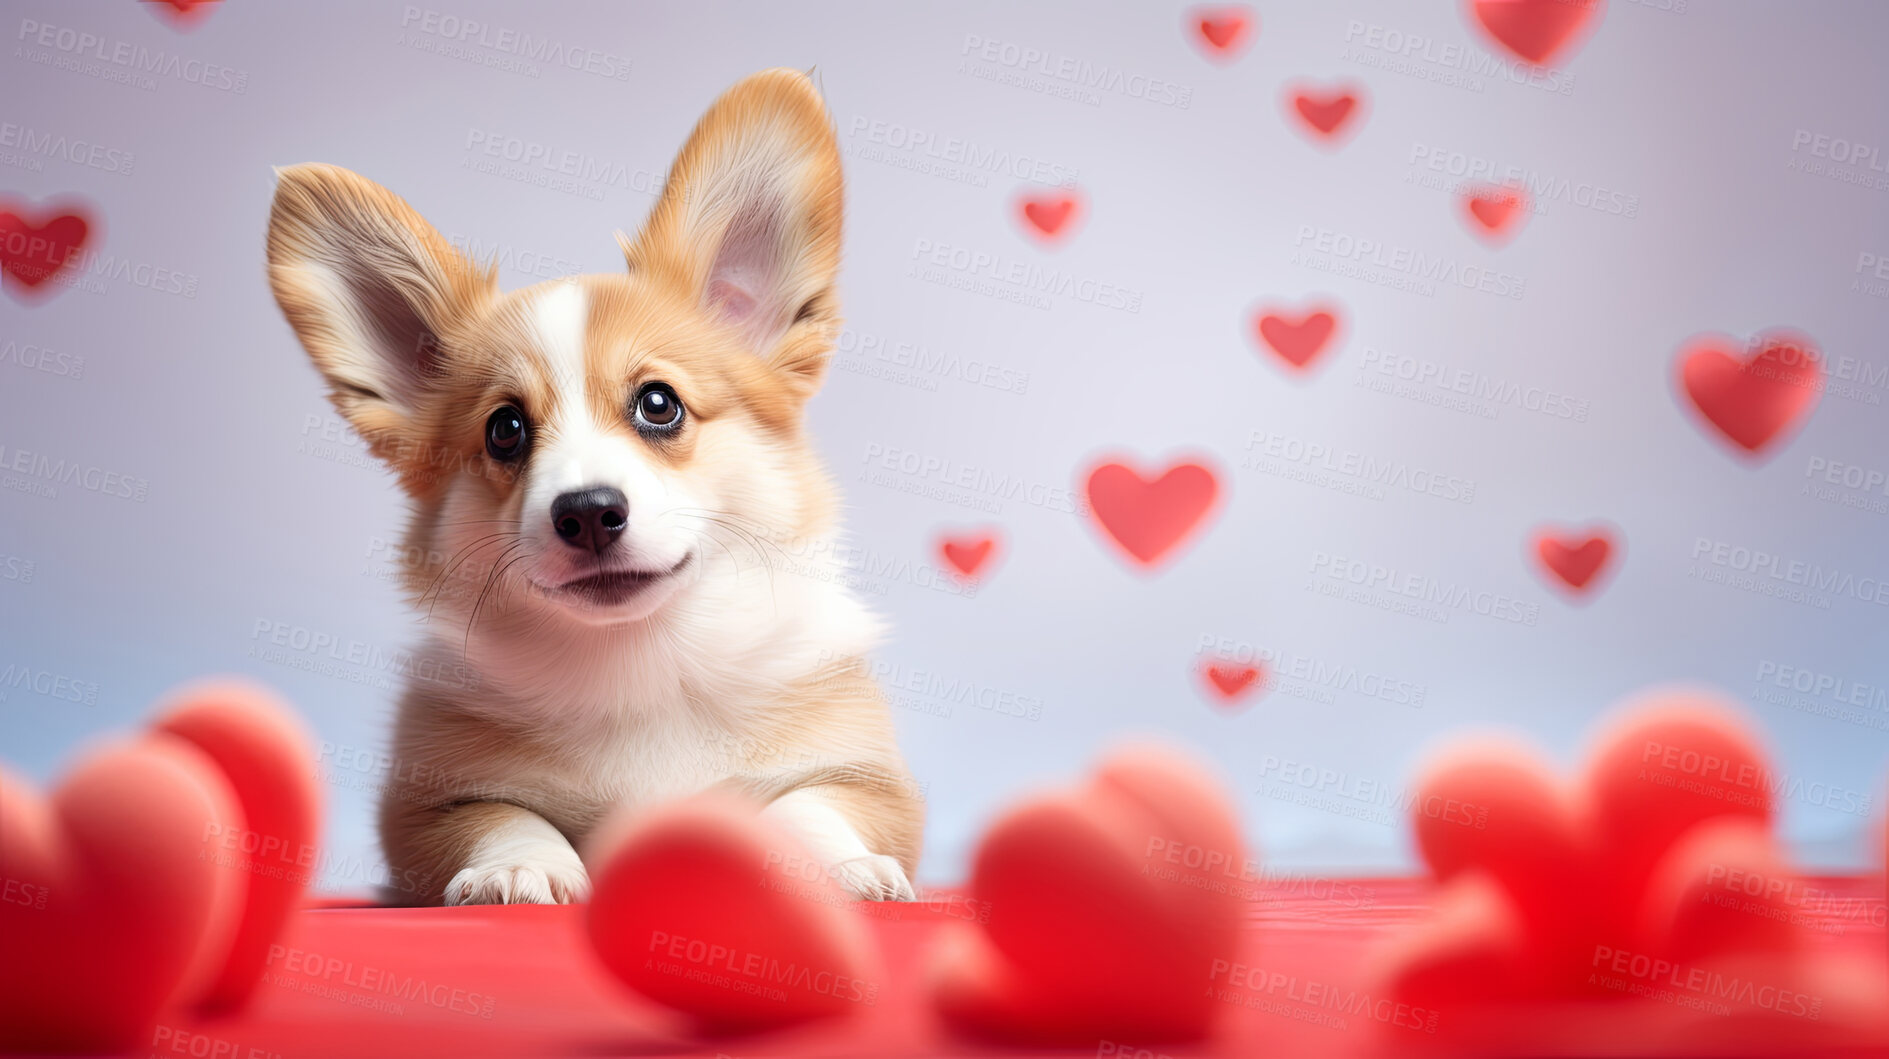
{"x":591,"y":519}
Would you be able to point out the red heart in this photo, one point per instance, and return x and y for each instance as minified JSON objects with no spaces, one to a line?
{"x":183,"y":14}
{"x":1298,"y":341}
{"x":1754,"y":401}
{"x":1050,"y":218}
{"x":35,"y":251}
{"x":265,"y":754}
{"x":1497,"y":211}
{"x":1108,"y":907}
{"x":706,"y":907}
{"x":1535,"y":30}
{"x":1149,"y":518}
{"x":128,"y":907}
{"x":1327,"y":115}
{"x":1231,"y":682}
{"x":968,"y":553}
{"x":1224,"y":31}
{"x":1576,"y":560}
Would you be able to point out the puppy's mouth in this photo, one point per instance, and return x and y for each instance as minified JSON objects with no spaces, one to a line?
{"x":610,"y":588}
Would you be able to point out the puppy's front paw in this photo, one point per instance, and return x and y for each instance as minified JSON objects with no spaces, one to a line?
{"x":519,"y":884}
{"x":874,"y":877}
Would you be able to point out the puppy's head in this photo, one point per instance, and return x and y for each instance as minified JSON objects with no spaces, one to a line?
{"x":589,"y":447}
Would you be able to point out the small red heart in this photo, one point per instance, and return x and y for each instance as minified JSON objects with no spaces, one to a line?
{"x":1752,"y":401}
{"x":129,"y":909}
{"x":1231,"y":682}
{"x":264,"y":753}
{"x":1536,"y":30}
{"x":38,"y":246}
{"x":1327,"y":115}
{"x":1577,"y":559}
{"x":704,"y":906}
{"x":1095,"y":931}
{"x":1297,"y":340}
{"x":183,"y":14}
{"x":1050,"y":218}
{"x":1149,"y":518}
{"x":1224,"y":32}
{"x":968,"y":553}
{"x":1498,"y":212}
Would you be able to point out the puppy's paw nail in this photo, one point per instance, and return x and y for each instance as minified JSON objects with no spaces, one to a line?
{"x":875,"y":877}
{"x":519,"y":884}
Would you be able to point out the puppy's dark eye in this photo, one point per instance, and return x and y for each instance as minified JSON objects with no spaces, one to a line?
{"x":505,"y":434}
{"x":657,"y":408}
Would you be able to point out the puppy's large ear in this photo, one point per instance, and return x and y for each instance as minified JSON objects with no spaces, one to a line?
{"x":372,"y":290}
{"x":749,"y":222}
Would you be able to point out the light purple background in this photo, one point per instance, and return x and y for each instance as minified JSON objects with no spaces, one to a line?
{"x":258,"y":514}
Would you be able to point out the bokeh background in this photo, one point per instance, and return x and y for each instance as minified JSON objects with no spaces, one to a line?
{"x":179,"y":500}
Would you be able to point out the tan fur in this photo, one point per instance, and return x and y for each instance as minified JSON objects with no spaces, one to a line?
{"x":545,"y":715}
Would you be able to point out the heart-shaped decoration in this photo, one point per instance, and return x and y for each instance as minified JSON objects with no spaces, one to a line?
{"x":1328,"y":115}
{"x":1537,"y":30}
{"x":704,"y":906}
{"x":967,"y":553}
{"x":1495,"y":213}
{"x":1050,"y":218}
{"x":1546,"y":884}
{"x":1221,"y":33}
{"x":1230,"y":682}
{"x":38,"y":246}
{"x":115,"y":903}
{"x":265,"y":754}
{"x":183,"y":14}
{"x":1297,"y":340}
{"x":1575,"y":560}
{"x":1104,"y":916}
{"x":1147,"y":517}
{"x":1757,"y":400}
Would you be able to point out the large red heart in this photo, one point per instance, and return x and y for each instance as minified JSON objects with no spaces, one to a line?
{"x":1757,"y":400}
{"x":1576,"y":560}
{"x":967,"y":553}
{"x":266,"y":756}
{"x":114,"y":900}
{"x":1050,"y":218}
{"x":1149,"y":518}
{"x":1328,"y":115}
{"x":1231,"y":682}
{"x":1221,"y":33}
{"x":1297,"y":340}
{"x":1536,"y":30}
{"x":1496,"y":213}
{"x":707,"y":908}
{"x":36,"y":246}
{"x":1109,"y":911}
{"x":1545,"y":883}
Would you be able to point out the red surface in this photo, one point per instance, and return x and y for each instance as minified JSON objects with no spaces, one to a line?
{"x":531,"y":969}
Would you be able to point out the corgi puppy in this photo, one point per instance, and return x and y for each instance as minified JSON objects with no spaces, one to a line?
{"x":620,"y":539}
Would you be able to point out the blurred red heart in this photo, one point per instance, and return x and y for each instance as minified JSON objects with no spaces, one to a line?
{"x":115,"y":901}
{"x":1298,"y":340}
{"x":968,"y":553}
{"x":1575,"y":559}
{"x":1497,"y":212}
{"x":1231,"y":682}
{"x":1050,"y":218}
{"x":1535,"y":30}
{"x":704,"y":906}
{"x":1327,"y":115}
{"x":265,"y":754}
{"x":1105,"y":920}
{"x":37,"y":246}
{"x":1752,"y":401}
{"x":1149,"y":518}
{"x":1223,"y":32}
{"x":183,"y":14}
